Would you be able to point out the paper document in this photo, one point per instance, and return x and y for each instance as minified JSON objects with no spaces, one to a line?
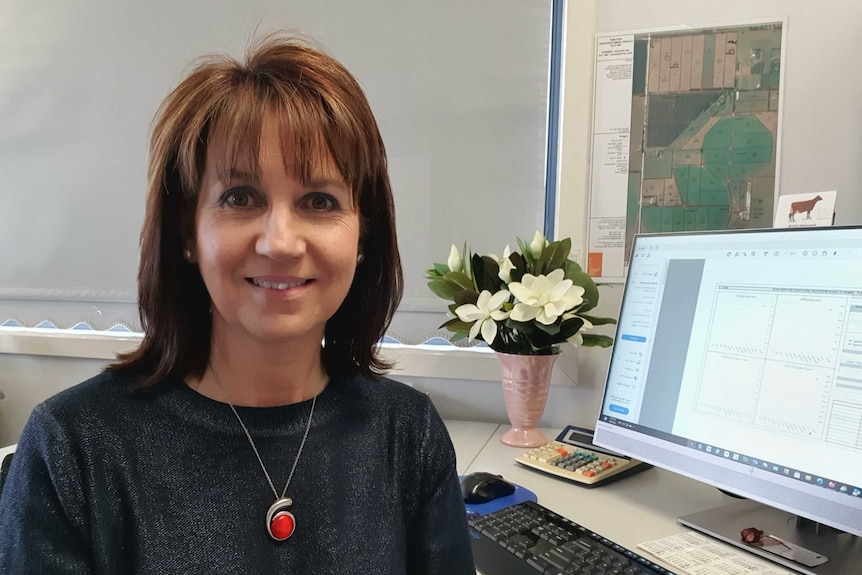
{"x":694,"y":554}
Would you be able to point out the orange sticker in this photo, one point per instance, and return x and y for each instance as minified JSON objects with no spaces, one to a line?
{"x":594,"y":264}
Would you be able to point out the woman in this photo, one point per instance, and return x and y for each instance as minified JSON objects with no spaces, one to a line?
{"x":251,"y":432}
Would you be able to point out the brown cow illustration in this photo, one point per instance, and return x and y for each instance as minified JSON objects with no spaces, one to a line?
{"x":805,"y":206}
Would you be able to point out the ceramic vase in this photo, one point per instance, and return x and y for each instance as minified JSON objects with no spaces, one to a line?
{"x":526,"y":380}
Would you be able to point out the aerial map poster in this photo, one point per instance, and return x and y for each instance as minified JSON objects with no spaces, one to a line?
{"x":685,"y":135}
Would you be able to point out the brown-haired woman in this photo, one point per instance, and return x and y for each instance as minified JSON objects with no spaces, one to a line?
{"x":252,"y":430}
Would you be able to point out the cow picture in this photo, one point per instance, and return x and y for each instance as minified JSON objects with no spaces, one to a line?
{"x":803,"y":207}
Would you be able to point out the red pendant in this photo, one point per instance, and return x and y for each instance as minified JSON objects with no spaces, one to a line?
{"x":282,"y":525}
{"x":280,"y":522}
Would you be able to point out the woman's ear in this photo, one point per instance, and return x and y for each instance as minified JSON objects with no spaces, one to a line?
{"x":189,"y":253}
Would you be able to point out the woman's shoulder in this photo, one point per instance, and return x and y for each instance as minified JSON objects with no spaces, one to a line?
{"x":390,"y":400}
{"x":108,"y":393}
{"x":386,"y":391}
{"x":106,"y":386}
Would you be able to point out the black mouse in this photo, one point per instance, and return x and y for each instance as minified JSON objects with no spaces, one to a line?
{"x":482,"y":487}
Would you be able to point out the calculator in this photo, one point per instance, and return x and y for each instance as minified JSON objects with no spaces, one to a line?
{"x":573,"y":456}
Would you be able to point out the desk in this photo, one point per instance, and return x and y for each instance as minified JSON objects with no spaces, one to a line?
{"x":640,"y":508}
{"x":469,"y":438}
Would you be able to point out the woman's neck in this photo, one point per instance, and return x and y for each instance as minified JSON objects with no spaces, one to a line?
{"x":249,"y":373}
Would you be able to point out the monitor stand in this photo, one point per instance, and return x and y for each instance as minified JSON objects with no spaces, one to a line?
{"x":807,"y":544}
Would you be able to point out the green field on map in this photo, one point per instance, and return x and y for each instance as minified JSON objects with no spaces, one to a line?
{"x":704,"y":130}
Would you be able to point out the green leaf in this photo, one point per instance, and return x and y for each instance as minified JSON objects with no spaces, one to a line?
{"x":570,"y":327}
{"x":464,"y":297}
{"x":552,"y":329}
{"x":539,"y":340}
{"x":442,"y":288}
{"x":441,"y":269}
{"x":461,"y":279}
{"x":458,"y":336}
{"x":598,"y":320}
{"x":456,"y":324}
{"x":522,"y":327}
{"x":486,"y":273}
{"x":593,"y":340}
{"x":525,"y":252}
{"x":520,"y":266}
{"x":591,"y":291}
{"x":541,"y":264}
{"x":572,"y":269}
{"x":560,"y":255}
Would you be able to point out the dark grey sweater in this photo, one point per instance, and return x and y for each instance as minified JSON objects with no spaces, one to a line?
{"x":104,"y":481}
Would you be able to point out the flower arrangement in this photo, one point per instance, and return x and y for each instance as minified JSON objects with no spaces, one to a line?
{"x":526,"y":302}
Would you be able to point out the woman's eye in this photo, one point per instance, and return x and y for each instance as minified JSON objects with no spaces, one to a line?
{"x":237,"y":198}
{"x":322,"y":202}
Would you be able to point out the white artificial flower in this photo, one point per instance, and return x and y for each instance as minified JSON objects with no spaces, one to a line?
{"x":537,"y":245}
{"x":544,"y":298}
{"x":455,"y":262}
{"x":506,"y":267}
{"x":486,"y":312}
{"x":506,"y":253}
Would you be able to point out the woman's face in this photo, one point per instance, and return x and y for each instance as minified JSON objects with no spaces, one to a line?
{"x":277,"y":257}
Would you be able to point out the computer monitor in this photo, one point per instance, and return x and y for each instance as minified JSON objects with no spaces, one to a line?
{"x":737,"y":362}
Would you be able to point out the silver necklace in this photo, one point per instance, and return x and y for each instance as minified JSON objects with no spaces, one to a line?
{"x":280,"y":522}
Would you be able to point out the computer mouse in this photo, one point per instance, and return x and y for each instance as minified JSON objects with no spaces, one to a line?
{"x":482,"y":487}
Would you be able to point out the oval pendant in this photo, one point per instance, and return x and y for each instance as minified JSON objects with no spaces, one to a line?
{"x":280,"y":522}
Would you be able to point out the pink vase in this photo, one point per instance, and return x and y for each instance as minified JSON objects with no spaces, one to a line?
{"x":526,"y":380}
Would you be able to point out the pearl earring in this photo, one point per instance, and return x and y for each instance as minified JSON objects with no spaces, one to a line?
{"x":360,"y":258}
{"x":187,"y":253}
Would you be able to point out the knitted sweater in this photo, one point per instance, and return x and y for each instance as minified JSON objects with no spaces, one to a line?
{"x":164,"y":482}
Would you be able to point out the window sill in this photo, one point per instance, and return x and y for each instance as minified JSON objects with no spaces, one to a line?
{"x":420,"y":361}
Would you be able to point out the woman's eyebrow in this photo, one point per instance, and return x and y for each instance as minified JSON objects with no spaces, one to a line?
{"x":235,"y":175}
{"x":321,"y":182}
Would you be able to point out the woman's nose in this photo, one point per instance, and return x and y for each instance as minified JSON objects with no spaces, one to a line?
{"x":281,"y":236}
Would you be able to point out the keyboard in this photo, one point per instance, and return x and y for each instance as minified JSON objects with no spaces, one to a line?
{"x":579,"y":464}
{"x":527,"y":538}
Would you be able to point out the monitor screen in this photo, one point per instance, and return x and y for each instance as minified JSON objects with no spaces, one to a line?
{"x":738,"y":362}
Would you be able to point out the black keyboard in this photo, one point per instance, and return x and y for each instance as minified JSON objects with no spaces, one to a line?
{"x":527,"y":539}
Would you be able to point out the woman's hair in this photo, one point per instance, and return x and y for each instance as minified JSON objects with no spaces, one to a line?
{"x":322,"y":111}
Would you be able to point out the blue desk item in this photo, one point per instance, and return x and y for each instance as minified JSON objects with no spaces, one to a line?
{"x":520,"y":494}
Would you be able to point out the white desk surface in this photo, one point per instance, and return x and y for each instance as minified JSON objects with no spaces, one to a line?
{"x":469,"y":438}
{"x":635,"y":509}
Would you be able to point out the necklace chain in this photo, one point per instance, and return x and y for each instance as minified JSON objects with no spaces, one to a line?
{"x":254,"y":447}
